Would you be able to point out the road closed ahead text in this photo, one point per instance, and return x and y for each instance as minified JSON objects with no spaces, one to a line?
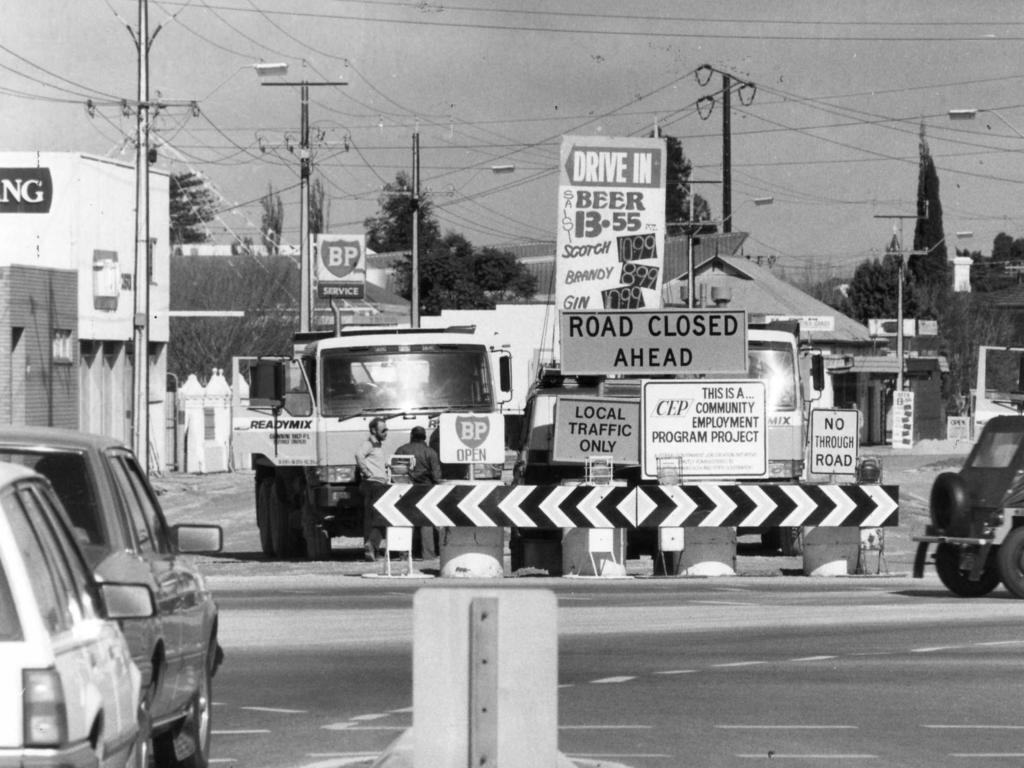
{"x":649,"y":341}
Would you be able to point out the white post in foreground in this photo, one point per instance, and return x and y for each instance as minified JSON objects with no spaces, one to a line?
{"x":485,"y":678}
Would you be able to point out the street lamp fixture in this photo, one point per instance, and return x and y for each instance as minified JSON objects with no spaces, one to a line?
{"x":970,"y":114}
{"x":508,"y":168}
{"x":266,"y":69}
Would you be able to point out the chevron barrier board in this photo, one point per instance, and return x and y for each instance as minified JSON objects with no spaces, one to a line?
{"x":712,"y":505}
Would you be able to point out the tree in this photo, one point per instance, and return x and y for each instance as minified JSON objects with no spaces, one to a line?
{"x":192,"y":206}
{"x":1001,"y":247}
{"x":265,"y":288}
{"x":872,"y":291}
{"x":453,"y":275}
{"x":677,"y":193}
{"x":272,"y":222}
{"x":929,"y":269}
{"x":391,"y":229}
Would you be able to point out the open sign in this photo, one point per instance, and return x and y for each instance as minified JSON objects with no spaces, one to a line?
{"x":472,"y":438}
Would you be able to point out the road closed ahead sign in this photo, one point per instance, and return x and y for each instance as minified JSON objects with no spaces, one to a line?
{"x":653,"y":341}
{"x":834,"y":441}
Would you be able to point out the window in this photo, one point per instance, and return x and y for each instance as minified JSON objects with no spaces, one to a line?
{"x":63,"y":350}
{"x":146,"y":518}
{"x":50,"y":596}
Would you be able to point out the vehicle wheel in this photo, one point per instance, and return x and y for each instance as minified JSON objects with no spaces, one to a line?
{"x":282,"y":537}
{"x":1011,"y":562}
{"x":318,"y":543}
{"x":949,"y":504}
{"x":142,"y":750}
{"x":187,"y":745}
{"x":263,"y":516}
{"x":947,"y":564}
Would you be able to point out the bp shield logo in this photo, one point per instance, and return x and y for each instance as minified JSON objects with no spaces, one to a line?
{"x":341,"y":257}
{"x":472,"y":430}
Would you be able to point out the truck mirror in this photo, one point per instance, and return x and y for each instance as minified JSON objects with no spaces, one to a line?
{"x":266,"y":383}
{"x":1020,"y":375}
{"x":505,"y":373}
{"x":818,"y":373}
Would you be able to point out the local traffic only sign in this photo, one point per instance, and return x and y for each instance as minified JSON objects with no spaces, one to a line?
{"x":587,"y":426}
{"x":835,"y":435}
{"x":639,"y":342}
{"x":713,"y":428}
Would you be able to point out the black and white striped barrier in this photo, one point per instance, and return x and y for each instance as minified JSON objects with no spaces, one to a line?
{"x":705,"y":505}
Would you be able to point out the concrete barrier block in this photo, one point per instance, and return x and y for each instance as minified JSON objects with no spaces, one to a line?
{"x":831,"y":551}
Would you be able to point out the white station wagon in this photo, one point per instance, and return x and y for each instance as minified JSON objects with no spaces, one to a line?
{"x":69,"y":690}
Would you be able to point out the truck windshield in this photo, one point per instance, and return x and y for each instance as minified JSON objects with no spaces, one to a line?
{"x":773,"y":362}
{"x":405,"y":377}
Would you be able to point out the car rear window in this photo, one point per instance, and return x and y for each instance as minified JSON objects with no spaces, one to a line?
{"x":69,"y":475}
{"x":10,"y":627}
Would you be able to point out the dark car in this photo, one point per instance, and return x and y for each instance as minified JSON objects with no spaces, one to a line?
{"x":977,"y":515}
{"x":125,"y":538}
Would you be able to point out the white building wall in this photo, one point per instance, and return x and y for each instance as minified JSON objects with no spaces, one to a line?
{"x":90,"y":228}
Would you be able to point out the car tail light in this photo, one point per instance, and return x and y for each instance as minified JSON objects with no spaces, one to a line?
{"x":46,"y":717}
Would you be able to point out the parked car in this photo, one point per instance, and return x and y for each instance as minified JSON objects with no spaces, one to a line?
{"x":977,"y":515}
{"x":69,"y":690}
{"x":125,"y":537}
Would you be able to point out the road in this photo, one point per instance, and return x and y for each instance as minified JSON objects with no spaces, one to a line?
{"x":652,"y":673}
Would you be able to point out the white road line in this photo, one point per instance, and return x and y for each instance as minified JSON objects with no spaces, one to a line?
{"x":935,"y":648}
{"x":979,"y":727}
{"x":277,"y":710}
{"x":240,"y":732}
{"x":612,"y":755}
{"x":605,"y":727}
{"x":1002,"y":642}
{"x":375,"y":716}
{"x":607,"y":680}
{"x":792,"y":756}
{"x":675,"y":672}
{"x":401,"y":711}
{"x":376,"y":728}
{"x":723,"y":602}
{"x":987,"y":754}
{"x":738,"y":664}
{"x":796,"y":726}
{"x":222,"y":760}
{"x":814,"y":658}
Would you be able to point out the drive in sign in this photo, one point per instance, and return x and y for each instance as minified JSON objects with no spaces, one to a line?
{"x":716,"y":428}
{"x":653,"y":341}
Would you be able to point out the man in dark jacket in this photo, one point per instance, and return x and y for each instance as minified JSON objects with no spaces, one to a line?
{"x":425,"y":471}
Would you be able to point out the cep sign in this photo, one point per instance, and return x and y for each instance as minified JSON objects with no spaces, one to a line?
{"x":25,"y":190}
{"x":472,"y":438}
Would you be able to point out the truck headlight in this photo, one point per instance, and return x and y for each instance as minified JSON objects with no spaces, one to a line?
{"x":337,"y":473}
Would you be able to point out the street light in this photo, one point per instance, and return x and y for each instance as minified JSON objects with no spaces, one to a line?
{"x":970,"y":114}
{"x":305,"y":171}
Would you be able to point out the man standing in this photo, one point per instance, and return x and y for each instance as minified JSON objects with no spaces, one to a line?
{"x":373,"y":482}
{"x":425,"y":471}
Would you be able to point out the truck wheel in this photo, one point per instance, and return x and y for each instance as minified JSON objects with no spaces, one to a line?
{"x":947,"y":564}
{"x":266,"y":488}
{"x":281,"y":535}
{"x":1011,"y":562}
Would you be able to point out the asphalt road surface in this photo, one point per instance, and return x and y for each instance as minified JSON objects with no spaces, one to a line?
{"x":655,"y":672}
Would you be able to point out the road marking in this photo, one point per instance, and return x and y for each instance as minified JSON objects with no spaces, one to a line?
{"x":789,"y":756}
{"x":723,"y":602}
{"x":240,"y":732}
{"x":935,"y":648}
{"x":277,"y":710}
{"x":222,"y":760}
{"x":979,"y":727}
{"x":606,"y":680}
{"x":814,"y":658}
{"x":676,"y":672}
{"x":739,"y":664}
{"x":1002,"y":642}
{"x":610,"y":755}
{"x":360,"y":718}
{"x":605,"y":727}
{"x":987,"y":754}
{"x":787,"y":727}
{"x":401,"y":711}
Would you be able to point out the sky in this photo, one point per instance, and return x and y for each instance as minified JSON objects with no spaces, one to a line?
{"x":827,"y":122}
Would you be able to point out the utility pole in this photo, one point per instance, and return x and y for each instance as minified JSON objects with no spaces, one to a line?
{"x":897,"y":235}
{"x":143,"y":252}
{"x":726,"y":154}
{"x":305,"y":171}
{"x":415,"y":308}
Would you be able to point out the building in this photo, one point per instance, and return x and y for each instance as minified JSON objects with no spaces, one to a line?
{"x":67,"y":294}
